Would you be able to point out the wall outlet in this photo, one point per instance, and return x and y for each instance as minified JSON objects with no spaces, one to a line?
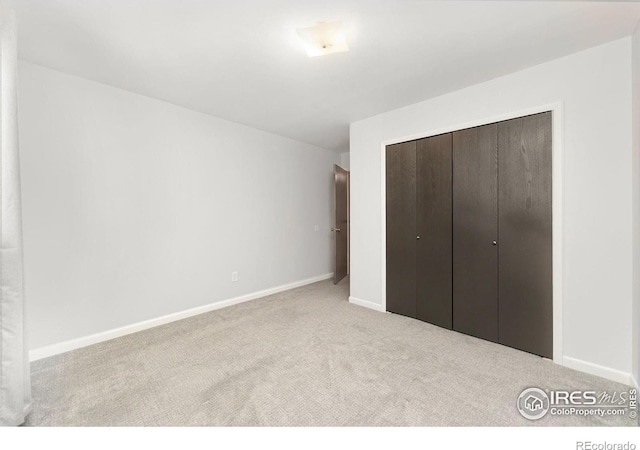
{"x":316,"y":228}
{"x":234,"y":276}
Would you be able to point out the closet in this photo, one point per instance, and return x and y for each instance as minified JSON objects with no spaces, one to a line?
{"x":469,"y":240}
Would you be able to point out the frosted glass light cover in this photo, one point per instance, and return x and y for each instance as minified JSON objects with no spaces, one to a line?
{"x":324,"y":38}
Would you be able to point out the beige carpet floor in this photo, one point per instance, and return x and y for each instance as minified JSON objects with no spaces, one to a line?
{"x":304,"y":357}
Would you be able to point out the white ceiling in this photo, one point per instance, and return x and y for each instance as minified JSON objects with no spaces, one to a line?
{"x":241,"y":59}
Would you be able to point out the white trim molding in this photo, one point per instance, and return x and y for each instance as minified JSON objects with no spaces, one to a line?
{"x":600,"y":371}
{"x":73,"y":344}
{"x":366,"y":304}
{"x":557,"y":204}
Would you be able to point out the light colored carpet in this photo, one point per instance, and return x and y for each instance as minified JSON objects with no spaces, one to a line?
{"x":302,"y":357}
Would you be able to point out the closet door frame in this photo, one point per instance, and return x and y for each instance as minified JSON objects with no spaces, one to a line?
{"x":557,"y":177}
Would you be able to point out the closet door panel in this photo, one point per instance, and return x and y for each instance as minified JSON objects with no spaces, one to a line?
{"x":475,"y":228}
{"x":525,"y":246}
{"x":401,"y":228}
{"x":434,"y":275}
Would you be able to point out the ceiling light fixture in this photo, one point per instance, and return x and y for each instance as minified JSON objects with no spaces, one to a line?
{"x":324,"y":38}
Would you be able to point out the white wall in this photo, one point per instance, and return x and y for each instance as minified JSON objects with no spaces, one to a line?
{"x":594,"y":87}
{"x":344,"y":161}
{"x":135,"y":208}
{"x":636,"y":205}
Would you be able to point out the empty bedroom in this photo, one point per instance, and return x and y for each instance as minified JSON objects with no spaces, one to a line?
{"x":310,"y":218}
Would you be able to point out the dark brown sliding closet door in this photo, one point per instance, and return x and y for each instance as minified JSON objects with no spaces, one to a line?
{"x":433,"y":170}
{"x":401,"y":228}
{"x":475,"y":231}
{"x":525,"y":247}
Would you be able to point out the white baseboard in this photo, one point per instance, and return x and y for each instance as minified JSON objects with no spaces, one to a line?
{"x":63,"y":347}
{"x":366,"y":304}
{"x":598,"y":370}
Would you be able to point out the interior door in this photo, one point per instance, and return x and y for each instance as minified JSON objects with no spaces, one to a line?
{"x":401,"y":228}
{"x":475,"y":232}
{"x":341,"y":182}
{"x":433,"y":239}
{"x":525,"y":246}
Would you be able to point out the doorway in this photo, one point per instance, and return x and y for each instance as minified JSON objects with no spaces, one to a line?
{"x":341,"y":226}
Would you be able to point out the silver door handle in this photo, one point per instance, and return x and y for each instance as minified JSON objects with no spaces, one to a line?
{"x":335,"y":229}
